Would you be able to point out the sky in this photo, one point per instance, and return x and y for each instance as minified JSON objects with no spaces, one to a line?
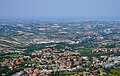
{"x":60,"y":8}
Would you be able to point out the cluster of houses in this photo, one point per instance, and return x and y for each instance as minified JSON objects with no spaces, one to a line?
{"x":46,"y":61}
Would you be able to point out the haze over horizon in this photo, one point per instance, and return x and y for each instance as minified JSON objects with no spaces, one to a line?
{"x":95,"y":9}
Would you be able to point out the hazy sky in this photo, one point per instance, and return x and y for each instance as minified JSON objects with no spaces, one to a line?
{"x":60,"y":8}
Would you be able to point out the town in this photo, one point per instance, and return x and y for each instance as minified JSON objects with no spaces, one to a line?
{"x":59,"y":48}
